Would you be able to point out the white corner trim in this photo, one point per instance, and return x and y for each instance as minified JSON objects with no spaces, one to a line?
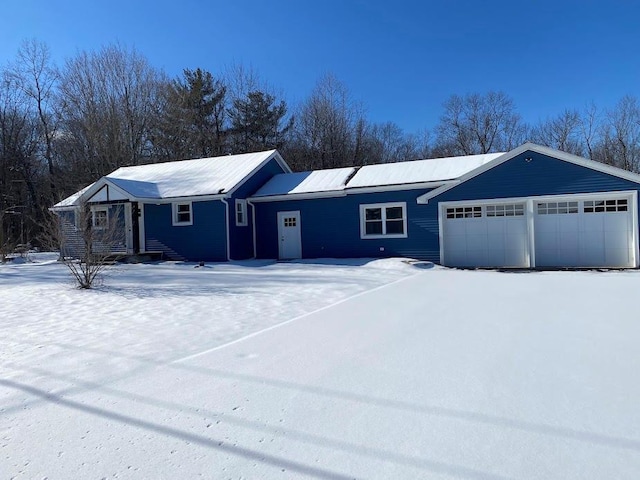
{"x":226,"y":221}
{"x":253,"y":227}
{"x":141,"y":228}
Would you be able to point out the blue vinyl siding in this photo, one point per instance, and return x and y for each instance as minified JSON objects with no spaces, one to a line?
{"x":542,"y":175}
{"x":330,"y":227}
{"x":205,"y":240}
{"x":241,"y":238}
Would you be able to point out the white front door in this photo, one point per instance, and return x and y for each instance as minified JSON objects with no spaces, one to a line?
{"x":289,"y":239}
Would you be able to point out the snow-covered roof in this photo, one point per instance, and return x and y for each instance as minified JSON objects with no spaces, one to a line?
{"x":419,"y":171}
{"x":186,"y":178}
{"x":72,"y":200}
{"x":203,"y":176}
{"x":306,"y":182}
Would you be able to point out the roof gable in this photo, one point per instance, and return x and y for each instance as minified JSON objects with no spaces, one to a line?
{"x":186,"y":178}
{"x":532,"y":147}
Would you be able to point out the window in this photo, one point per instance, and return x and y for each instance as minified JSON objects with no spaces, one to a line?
{"x":557,"y":208}
{"x":289,"y":221}
{"x":241,"y":213}
{"x":506,"y":210}
{"x":182,"y":213}
{"x":100,"y":218}
{"x":596,"y":206}
{"x":464,"y":212}
{"x":383,"y":220}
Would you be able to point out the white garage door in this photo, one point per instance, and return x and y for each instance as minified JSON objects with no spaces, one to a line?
{"x":584,"y":233}
{"x":485,"y":235}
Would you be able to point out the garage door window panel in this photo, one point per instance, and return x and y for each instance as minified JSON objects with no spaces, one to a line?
{"x":557,"y":208}
{"x":606,"y":206}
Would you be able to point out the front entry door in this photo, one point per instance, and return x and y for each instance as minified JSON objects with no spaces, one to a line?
{"x":289,"y":239}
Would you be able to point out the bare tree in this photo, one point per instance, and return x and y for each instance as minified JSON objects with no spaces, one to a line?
{"x":329,"y":129}
{"x":108,"y":100}
{"x":563,"y":132}
{"x":20,"y":169}
{"x":88,"y":239}
{"x":477,"y":123}
{"x":36,"y":76}
{"x":387,"y":142}
{"x":620,"y":135}
{"x":589,"y":127}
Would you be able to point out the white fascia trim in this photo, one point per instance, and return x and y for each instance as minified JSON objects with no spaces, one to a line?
{"x":275,"y":155}
{"x":197,"y":198}
{"x":67,"y":208}
{"x":550,"y":152}
{"x":544,"y":198}
{"x":298,"y":196}
{"x":349,"y":191}
{"x":397,"y":187}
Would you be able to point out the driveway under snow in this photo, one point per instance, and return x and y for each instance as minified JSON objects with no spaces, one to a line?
{"x":328,"y":370}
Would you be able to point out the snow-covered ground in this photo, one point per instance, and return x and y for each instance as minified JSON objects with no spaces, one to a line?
{"x":334,"y":370}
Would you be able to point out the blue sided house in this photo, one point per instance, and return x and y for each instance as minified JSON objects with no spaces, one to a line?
{"x":188,"y":210}
{"x":532,"y":207}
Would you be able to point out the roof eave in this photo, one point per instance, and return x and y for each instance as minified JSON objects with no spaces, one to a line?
{"x":298,"y":196}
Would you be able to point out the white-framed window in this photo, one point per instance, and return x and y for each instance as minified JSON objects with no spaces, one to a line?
{"x":241,"y":213}
{"x":598,"y":206}
{"x":100,"y":218}
{"x":383,"y":220}
{"x":182,"y":213}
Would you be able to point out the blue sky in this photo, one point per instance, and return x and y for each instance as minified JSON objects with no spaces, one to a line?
{"x":402,"y":59}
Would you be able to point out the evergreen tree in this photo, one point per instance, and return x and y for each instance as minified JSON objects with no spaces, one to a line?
{"x":192,"y":117}
{"x":258,"y":122}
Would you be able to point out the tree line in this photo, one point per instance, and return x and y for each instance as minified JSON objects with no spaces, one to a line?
{"x":64,"y":126}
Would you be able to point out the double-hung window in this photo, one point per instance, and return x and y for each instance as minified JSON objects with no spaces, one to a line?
{"x":383,"y":220}
{"x":100,"y":218}
{"x":182,"y":214}
{"x":241,"y":213}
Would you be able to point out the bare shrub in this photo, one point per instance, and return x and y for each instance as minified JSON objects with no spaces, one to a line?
{"x":89,"y":240}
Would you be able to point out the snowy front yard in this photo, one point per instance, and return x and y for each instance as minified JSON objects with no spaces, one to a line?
{"x":330,"y":370}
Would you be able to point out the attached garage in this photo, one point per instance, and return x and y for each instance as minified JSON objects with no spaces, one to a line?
{"x":595,"y":230}
{"x":485,"y":235}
